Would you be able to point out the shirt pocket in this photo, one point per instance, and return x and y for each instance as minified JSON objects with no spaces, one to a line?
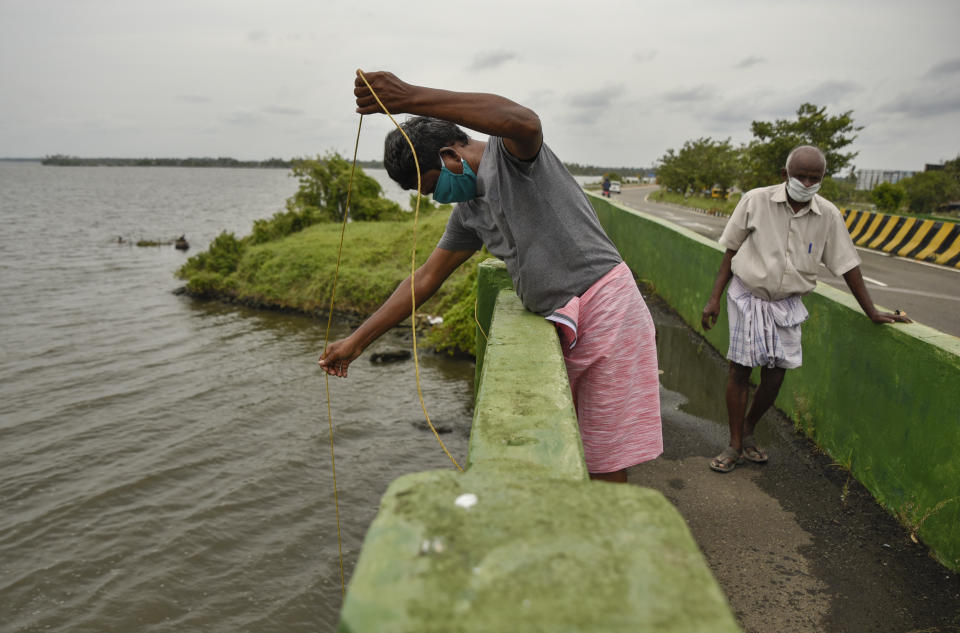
{"x":808,"y":259}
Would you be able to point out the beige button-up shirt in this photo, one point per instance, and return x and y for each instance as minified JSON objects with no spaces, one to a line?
{"x":779,"y":251}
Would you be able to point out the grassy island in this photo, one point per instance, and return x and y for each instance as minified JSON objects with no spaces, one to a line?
{"x":296,"y":272}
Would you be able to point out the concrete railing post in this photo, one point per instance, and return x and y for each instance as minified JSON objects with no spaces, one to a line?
{"x":523,"y":541}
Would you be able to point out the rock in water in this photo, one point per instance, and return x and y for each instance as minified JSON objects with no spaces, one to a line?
{"x":390,"y":356}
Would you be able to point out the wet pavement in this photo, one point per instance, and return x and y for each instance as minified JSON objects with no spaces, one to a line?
{"x":797,"y":544}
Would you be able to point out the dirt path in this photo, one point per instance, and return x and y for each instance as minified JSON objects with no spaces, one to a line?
{"x":796,"y":543}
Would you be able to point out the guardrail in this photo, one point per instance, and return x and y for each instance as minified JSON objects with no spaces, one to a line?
{"x":927,"y":240}
{"x":522,"y":540}
{"x":880,"y":400}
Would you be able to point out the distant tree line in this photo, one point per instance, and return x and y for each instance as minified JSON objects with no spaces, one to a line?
{"x":592,"y":170}
{"x":705,"y":163}
{"x":63,"y":160}
{"x":924,"y":192}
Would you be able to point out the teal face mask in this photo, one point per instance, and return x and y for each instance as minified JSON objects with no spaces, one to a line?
{"x":453,"y":187}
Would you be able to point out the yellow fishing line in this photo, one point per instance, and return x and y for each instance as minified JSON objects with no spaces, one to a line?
{"x":413,"y":318}
{"x":413,"y":268}
{"x":476,"y":318}
{"x":326,"y":339}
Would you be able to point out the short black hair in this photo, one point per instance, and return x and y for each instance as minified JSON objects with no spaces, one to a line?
{"x":428,"y":136}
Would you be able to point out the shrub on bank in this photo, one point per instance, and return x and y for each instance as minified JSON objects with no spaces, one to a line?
{"x":297,"y":273}
{"x":289,"y":261}
{"x":716,"y":206}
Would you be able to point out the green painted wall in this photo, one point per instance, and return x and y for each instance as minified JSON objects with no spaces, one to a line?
{"x":881,"y":400}
{"x":541,"y":547}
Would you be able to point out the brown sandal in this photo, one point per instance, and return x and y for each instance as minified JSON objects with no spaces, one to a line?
{"x":752,"y":452}
{"x":726,"y":461}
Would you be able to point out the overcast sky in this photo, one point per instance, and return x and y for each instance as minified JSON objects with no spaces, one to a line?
{"x":614,"y":82}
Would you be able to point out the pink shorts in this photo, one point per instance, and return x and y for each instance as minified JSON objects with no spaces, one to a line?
{"x":609,"y":345}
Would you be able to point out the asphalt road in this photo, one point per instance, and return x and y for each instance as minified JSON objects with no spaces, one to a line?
{"x":930,"y":294}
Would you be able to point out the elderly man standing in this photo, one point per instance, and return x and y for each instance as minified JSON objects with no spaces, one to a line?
{"x":776,"y":239}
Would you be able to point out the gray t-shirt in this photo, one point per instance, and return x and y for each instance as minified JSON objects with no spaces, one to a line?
{"x":535,"y":217}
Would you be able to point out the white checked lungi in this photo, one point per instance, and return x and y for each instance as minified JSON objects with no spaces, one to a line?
{"x":764,"y":333}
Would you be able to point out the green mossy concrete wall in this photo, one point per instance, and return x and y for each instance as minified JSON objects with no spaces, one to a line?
{"x":523,"y":541}
{"x":881,"y":400}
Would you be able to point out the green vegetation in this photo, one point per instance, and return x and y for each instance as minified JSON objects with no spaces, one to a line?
{"x":290,"y":261}
{"x":592,"y":170}
{"x":888,"y":197}
{"x":144,"y":243}
{"x":766,"y":154}
{"x":63,"y":160}
{"x":699,"y":165}
{"x":324,"y":185}
{"x":296,"y":272}
{"x":843,"y":191}
{"x":706,"y":163}
{"x":705,"y":167}
{"x":715,"y":206}
{"x":928,"y":191}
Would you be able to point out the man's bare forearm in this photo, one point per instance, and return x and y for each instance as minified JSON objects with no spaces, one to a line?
{"x":492,"y":114}
{"x":724,"y":275}
{"x":854,"y":280}
{"x":483,"y":112}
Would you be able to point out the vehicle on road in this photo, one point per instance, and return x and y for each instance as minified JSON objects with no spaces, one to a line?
{"x":615,"y":186}
{"x":718,"y":192}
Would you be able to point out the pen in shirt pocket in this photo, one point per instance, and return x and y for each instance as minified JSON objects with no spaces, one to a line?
{"x":810,"y":248}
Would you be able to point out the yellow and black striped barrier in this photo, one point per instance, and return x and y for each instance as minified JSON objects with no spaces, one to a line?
{"x":927,"y":240}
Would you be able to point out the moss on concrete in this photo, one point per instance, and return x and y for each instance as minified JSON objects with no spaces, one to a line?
{"x":524,"y":412}
{"x":523,"y":541}
{"x":492,"y":277}
{"x":530,"y":555}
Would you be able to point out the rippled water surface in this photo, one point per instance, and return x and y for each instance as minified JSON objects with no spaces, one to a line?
{"x":164,"y":463}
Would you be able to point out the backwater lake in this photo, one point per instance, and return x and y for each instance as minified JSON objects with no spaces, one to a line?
{"x":165,"y":462}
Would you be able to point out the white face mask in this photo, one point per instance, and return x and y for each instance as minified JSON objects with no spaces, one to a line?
{"x":800,"y":193}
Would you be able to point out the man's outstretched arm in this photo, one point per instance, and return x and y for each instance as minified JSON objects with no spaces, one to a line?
{"x":428,"y":278}
{"x":487,"y":113}
{"x":854,"y":279}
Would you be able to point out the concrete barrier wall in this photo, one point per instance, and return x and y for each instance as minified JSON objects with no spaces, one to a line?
{"x":881,"y":400}
{"x":522,"y":540}
{"x":926,"y":240}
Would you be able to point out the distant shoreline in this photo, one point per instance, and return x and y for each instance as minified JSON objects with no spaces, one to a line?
{"x":60,"y":160}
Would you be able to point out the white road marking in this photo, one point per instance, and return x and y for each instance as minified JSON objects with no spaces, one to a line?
{"x":922,"y":293}
{"x":875,"y":282}
{"x":909,"y":260}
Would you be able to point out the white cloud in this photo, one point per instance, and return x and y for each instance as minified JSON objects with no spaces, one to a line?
{"x":752,"y":60}
{"x":647,"y":55}
{"x":945,"y":68}
{"x":695,"y":93}
{"x":921,"y":105}
{"x":616,"y":82}
{"x":282,"y":110}
{"x":491,"y":60}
